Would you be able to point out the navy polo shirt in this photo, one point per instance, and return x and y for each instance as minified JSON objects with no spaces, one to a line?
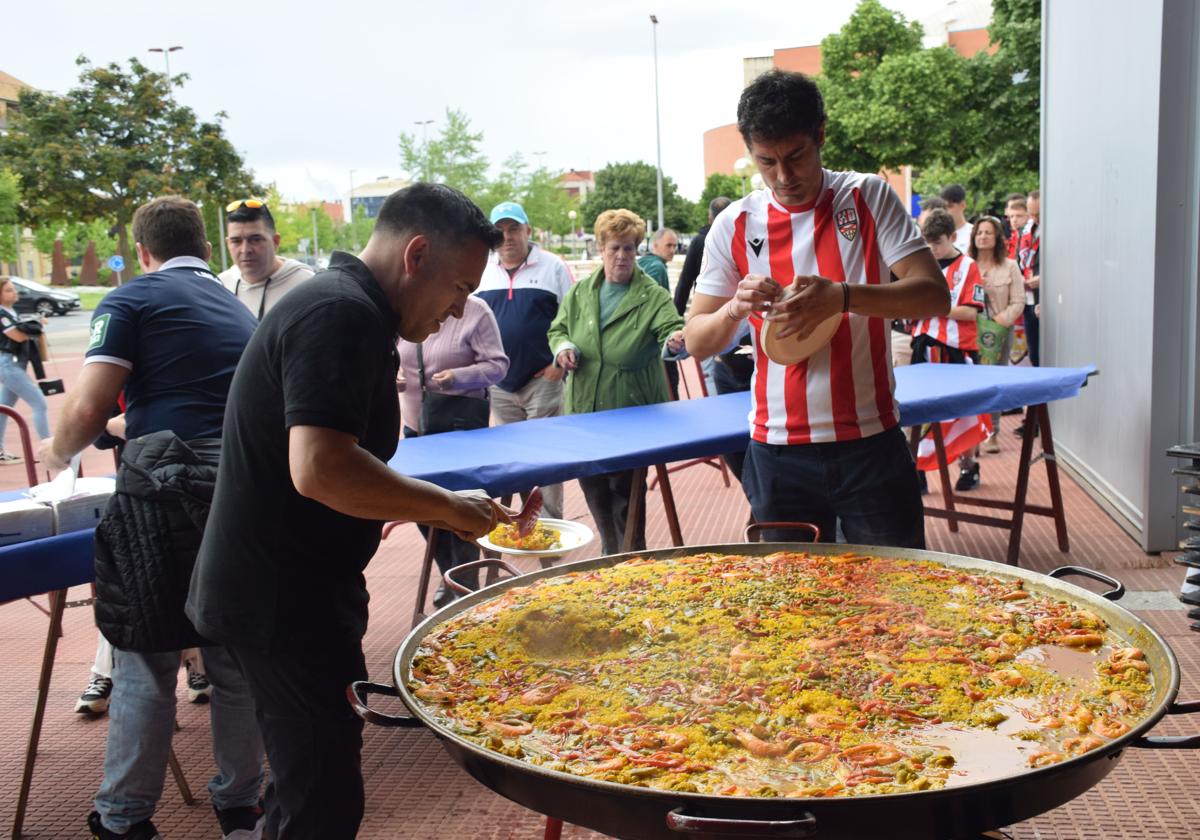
{"x":180,"y":333}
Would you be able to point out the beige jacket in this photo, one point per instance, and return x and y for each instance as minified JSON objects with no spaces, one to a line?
{"x":1005,"y":292}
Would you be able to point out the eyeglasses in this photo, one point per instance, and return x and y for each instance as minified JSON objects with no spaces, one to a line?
{"x":248,"y":203}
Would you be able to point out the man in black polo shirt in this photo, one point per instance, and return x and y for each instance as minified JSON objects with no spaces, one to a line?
{"x":304,"y":489}
{"x":171,"y":340}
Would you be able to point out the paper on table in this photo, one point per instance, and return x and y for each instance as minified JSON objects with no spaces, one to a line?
{"x":66,"y":485}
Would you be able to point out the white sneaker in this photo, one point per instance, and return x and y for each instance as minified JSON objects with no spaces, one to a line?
{"x":94,"y":700}
{"x":199,"y":689}
{"x":9,"y":458}
{"x":992,"y":444}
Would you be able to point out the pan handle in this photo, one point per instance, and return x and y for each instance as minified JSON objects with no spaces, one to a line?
{"x":684,"y":823}
{"x":1172,"y":742}
{"x":1114,"y":594}
{"x":477,"y":564}
{"x":356,"y":694}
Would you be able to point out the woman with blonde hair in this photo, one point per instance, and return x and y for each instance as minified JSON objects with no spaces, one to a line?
{"x":611,"y":334}
{"x":1005,"y":300}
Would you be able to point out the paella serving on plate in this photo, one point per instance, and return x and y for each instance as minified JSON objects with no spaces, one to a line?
{"x":788,"y":675}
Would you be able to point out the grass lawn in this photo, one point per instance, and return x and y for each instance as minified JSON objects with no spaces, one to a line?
{"x":89,"y":296}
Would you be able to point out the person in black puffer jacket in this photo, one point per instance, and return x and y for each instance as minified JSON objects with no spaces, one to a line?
{"x":171,"y":339}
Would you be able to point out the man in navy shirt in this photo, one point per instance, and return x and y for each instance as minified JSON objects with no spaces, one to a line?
{"x":171,"y":339}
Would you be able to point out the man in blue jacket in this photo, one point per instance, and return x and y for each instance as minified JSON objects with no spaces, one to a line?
{"x":171,"y":340}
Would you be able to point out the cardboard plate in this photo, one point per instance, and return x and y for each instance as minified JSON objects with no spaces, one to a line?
{"x":572,"y":535}
{"x":793,"y":349}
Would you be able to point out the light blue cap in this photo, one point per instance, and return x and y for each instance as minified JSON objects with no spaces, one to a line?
{"x":509,"y":210}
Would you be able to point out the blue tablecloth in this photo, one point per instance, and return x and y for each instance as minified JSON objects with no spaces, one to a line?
{"x":504,"y":459}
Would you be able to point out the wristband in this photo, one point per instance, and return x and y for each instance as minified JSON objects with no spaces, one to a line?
{"x":729,"y":312}
{"x":845,"y":297}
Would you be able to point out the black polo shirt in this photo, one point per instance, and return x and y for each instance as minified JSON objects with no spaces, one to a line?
{"x":276,"y":568}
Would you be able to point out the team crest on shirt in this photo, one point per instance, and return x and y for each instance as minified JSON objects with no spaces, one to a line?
{"x":847,"y":223}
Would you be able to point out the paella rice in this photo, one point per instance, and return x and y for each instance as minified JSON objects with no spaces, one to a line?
{"x":793,"y":675}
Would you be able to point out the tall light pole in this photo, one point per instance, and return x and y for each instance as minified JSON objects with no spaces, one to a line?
{"x":353,"y":226}
{"x":166,"y":51}
{"x":571,"y":214}
{"x":742,"y":167}
{"x":541,"y":156}
{"x":657,"y":128}
{"x":424,"y":144}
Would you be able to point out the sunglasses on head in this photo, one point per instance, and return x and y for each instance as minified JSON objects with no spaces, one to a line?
{"x":248,"y":203}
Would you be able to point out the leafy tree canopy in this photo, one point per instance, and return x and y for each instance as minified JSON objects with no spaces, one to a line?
{"x":112,"y":143}
{"x":634,"y":186}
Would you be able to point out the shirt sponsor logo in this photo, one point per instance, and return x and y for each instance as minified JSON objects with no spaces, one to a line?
{"x":847,"y":223}
{"x":99,"y":331}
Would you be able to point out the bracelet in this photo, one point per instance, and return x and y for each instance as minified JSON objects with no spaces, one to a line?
{"x":729,"y":312}
{"x":845,"y":297}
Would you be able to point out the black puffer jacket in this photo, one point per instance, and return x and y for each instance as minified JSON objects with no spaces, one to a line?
{"x":146,"y":543}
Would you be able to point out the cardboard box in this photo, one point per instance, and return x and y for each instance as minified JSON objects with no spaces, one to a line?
{"x":23,"y":520}
{"x":83,"y":508}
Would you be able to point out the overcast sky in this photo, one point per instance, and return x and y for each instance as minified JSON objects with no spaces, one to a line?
{"x":315,"y":89}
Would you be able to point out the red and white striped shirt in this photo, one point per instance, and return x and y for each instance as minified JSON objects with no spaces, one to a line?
{"x":966,"y":289}
{"x":852,"y":232}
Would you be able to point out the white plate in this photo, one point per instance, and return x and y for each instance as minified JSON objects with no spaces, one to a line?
{"x":572,"y":535}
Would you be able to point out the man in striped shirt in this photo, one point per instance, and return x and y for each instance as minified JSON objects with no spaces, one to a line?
{"x":825,"y":446}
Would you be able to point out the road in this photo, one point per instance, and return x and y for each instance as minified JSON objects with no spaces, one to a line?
{"x":68,"y":334}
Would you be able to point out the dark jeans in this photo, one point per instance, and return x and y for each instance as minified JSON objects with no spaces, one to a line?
{"x":1032,"y":335}
{"x":313,"y":738}
{"x":608,"y":499}
{"x":869,"y":485}
{"x":450,"y":551}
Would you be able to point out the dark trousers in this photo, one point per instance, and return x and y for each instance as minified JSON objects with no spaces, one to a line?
{"x":1032,"y":335}
{"x":868,"y":485}
{"x":608,"y":499}
{"x":313,"y":738}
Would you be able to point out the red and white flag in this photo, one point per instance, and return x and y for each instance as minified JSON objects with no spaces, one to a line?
{"x":959,"y":437}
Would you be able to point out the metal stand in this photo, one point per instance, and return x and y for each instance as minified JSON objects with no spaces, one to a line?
{"x":1189,"y":472}
{"x":1037,"y":417}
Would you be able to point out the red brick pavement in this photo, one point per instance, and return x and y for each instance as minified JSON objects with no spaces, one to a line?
{"x":414,"y":791}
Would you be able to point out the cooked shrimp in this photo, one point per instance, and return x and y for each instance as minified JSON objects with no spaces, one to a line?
{"x":1110,"y":727}
{"x":433,"y":695}
{"x":1078,"y":746}
{"x":1045,"y":759}
{"x":1080,"y":717}
{"x":540,"y":695}
{"x":810,"y":752}
{"x":1079,"y":640}
{"x":823,"y":720}
{"x":1126,"y":701}
{"x":871,"y":755}
{"x":614,"y":763}
{"x":511,"y":727}
{"x":1008,"y":676}
{"x":763,"y":749}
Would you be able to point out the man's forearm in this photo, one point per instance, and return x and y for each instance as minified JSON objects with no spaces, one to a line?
{"x":912,"y":297}
{"x":706,"y":334}
{"x":355,"y":483}
{"x":80,"y":424}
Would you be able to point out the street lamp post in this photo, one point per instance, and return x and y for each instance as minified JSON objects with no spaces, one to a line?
{"x":353,"y":226}
{"x":424,"y":145}
{"x":657,"y":127}
{"x":742,"y":167}
{"x":571,"y":214}
{"x":166,"y":51}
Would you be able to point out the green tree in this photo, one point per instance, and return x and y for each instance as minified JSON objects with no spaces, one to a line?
{"x":10,"y":202}
{"x":109,"y":145}
{"x":889,"y":102}
{"x":633,"y":186}
{"x":718,"y":184}
{"x":545,"y":202}
{"x":452,"y":158}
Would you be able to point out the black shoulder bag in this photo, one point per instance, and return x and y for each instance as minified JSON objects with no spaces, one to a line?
{"x":449,"y":412}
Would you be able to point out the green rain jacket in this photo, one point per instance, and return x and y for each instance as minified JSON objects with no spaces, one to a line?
{"x":620,"y":362}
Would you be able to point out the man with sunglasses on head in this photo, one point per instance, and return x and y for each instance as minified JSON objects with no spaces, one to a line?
{"x":170,"y":339}
{"x":259,"y":276}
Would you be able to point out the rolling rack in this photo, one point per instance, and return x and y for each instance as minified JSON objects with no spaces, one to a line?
{"x":1189,"y":473}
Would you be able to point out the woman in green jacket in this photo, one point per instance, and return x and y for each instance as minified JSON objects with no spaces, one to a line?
{"x":611,"y":333}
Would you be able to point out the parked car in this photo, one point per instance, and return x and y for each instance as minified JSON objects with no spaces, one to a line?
{"x":33,"y":296}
